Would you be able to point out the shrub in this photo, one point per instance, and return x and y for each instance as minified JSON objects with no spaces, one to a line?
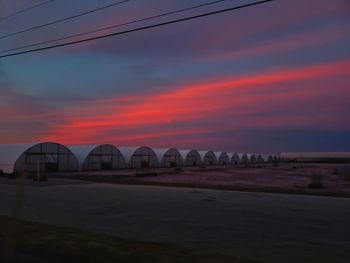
{"x":347,"y":173}
{"x":13,"y":176}
{"x":316,"y":181}
{"x":148,"y":174}
{"x":40,"y":178}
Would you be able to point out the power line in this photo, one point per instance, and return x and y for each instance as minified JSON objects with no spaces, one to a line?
{"x":113,"y":26}
{"x":63,"y":19}
{"x":25,"y":10}
{"x":136,"y":29}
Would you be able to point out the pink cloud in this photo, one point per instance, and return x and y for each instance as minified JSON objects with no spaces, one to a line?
{"x":242,"y":97}
{"x":317,"y":38}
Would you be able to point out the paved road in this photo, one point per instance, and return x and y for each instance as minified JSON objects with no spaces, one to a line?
{"x":273,"y":227}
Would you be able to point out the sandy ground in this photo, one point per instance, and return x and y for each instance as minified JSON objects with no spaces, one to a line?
{"x":270,"y":227}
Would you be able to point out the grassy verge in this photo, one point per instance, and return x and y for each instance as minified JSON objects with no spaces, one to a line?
{"x":46,"y":243}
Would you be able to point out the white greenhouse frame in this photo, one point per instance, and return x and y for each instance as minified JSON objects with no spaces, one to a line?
{"x":222,"y":158}
{"x":42,"y":157}
{"x":191,"y":157}
{"x":169,"y":157}
{"x":139,"y":157}
{"x":99,"y":157}
{"x":208,"y":158}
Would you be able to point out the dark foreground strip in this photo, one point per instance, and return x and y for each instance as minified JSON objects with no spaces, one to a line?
{"x":35,"y":242}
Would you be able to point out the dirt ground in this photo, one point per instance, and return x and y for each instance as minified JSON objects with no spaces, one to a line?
{"x":284,"y":178}
{"x":289,"y":177}
{"x":266,"y":227}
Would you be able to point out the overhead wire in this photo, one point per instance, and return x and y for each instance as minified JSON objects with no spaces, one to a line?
{"x":114,"y":26}
{"x":138,"y":29}
{"x":25,"y":10}
{"x":62,"y":19}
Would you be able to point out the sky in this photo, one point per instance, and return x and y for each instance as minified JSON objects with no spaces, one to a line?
{"x":268,"y":78}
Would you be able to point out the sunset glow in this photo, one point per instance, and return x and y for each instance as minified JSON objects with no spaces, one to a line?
{"x":217,"y":88}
